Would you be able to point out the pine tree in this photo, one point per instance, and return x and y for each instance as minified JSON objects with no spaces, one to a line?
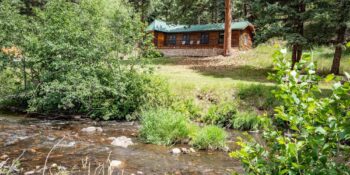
{"x":341,"y":17}
{"x":286,"y":19}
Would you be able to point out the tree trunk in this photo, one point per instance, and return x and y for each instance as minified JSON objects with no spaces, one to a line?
{"x":294,"y":55}
{"x":299,"y":53}
{"x":228,"y":30}
{"x":298,"y":48}
{"x":341,"y":31}
{"x":338,"y":50}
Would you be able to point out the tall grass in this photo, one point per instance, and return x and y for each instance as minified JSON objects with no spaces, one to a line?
{"x":210,"y":137}
{"x":163,"y":126}
{"x":246,"y":121}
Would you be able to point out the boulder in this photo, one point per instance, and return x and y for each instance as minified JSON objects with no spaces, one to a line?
{"x":122,"y":142}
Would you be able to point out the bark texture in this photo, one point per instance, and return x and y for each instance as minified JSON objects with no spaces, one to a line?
{"x":228,"y":31}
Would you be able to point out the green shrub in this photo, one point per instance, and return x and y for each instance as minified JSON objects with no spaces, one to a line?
{"x":163,"y":126}
{"x":220,"y":114}
{"x":188,"y":107}
{"x":246,"y":121}
{"x":72,"y":53}
{"x":313,"y":140}
{"x":210,"y":137}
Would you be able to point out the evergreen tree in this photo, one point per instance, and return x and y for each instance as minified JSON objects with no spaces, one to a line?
{"x":144,"y":7}
{"x":340,"y":11}
{"x":286,"y":19}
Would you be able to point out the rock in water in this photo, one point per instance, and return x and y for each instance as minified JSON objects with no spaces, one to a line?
{"x":122,"y":142}
{"x":185,"y":150}
{"x":92,"y":129}
{"x":3,"y":157}
{"x":116,"y":164}
{"x":29,"y":173}
{"x":176,"y":151}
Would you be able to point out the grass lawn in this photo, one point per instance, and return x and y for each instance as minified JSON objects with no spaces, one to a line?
{"x":224,"y":76}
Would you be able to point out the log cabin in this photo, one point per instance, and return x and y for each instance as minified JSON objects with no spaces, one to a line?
{"x":199,"y":40}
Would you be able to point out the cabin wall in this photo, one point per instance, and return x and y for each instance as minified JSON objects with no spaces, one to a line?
{"x":241,"y":40}
{"x":193,"y":52}
{"x":246,"y":39}
{"x":161,"y":39}
{"x":235,"y":38}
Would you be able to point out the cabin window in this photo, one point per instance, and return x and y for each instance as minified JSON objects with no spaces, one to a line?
{"x":221,"y":37}
{"x":186,"y":39}
{"x":204,"y":38}
{"x":171,"y":39}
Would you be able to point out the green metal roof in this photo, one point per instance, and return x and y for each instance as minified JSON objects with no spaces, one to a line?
{"x":162,"y":26}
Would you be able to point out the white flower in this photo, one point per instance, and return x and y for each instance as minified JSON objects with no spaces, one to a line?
{"x":293,"y":73}
{"x":337,"y":85}
{"x":284,"y":51}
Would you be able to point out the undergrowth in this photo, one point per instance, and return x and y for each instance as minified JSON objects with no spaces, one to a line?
{"x":163,"y":126}
{"x":209,"y":137}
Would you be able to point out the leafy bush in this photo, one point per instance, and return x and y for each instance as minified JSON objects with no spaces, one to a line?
{"x":312,"y":142}
{"x":210,"y":137}
{"x":72,"y":53}
{"x":246,"y":121}
{"x":121,"y":96}
{"x":163,"y":126}
{"x":188,"y":107}
{"x":220,"y":114}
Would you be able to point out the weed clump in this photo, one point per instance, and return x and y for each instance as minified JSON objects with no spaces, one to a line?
{"x":220,"y":114}
{"x":246,"y":121}
{"x":163,"y":126}
{"x":210,"y":137}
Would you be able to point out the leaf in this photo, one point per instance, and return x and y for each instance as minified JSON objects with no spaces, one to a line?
{"x":347,"y":75}
{"x":292,"y":149}
{"x":337,"y":85}
{"x":295,"y":165}
{"x":329,"y":78}
{"x":320,"y":130}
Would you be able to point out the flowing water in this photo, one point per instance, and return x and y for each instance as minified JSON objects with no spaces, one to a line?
{"x":85,"y":153}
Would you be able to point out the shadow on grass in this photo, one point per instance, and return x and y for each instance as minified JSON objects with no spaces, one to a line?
{"x":220,"y":68}
{"x":242,"y":72}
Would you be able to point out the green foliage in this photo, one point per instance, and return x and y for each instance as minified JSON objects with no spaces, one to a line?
{"x":163,"y":126}
{"x":258,"y":95}
{"x":209,"y":137}
{"x":12,"y":24}
{"x":246,"y":121}
{"x":11,"y":88}
{"x":187,"y":107}
{"x":316,"y":127}
{"x":220,"y":114}
{"x":69,"y":60}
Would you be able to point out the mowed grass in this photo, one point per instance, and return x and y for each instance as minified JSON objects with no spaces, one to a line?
{"x":225,"y":75}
